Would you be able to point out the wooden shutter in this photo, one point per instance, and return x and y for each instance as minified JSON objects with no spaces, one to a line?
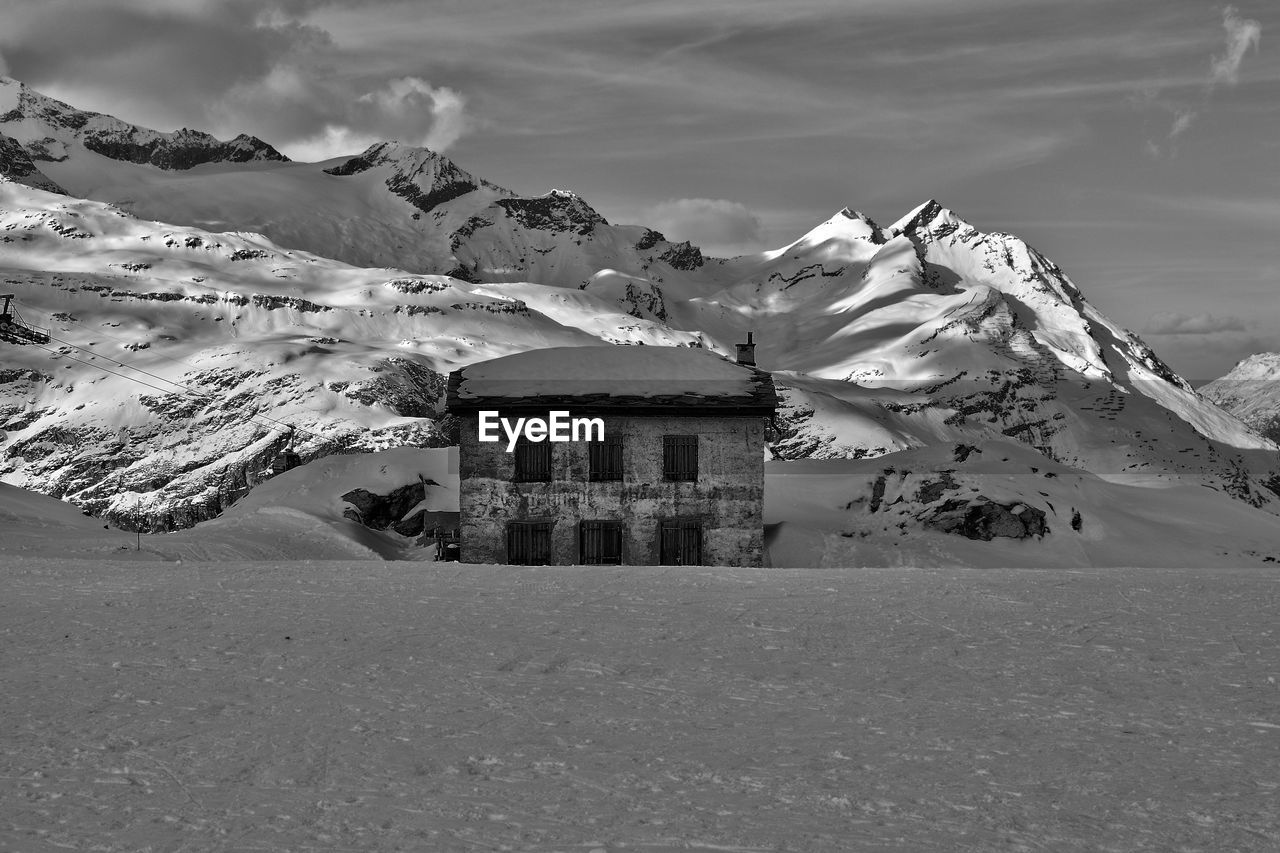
{"x":529,"y":543}
{"x":680,"y":457}
{"x":605,"y":458}
{"x":533,"y":461}
{"x":600,"y":543}
{"x":680,"y":543}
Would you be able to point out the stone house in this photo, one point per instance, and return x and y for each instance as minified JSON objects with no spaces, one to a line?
{"x":622,"y":455}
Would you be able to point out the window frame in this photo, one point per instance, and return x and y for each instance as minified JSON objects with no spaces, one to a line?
{"x":525,"y":472}
{"x":533,"y":528}
{"x":604,"y":459}
{"x":605,"y":528}
{"x":682,"y":528}
{"x":680,"y":458}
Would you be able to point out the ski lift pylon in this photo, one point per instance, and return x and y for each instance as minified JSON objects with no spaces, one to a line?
{"x":14,"y":330}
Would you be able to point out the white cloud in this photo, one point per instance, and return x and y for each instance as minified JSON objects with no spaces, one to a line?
{"x":707,"y":222}
{"x":1242,"y":34}
{"x":410,"y":100}
{"x":4,"y":67}
{"x":1174,"y":323}
{"x":314,"y":119}
{"x":333,"y":141}
{"x":1182,"y":121}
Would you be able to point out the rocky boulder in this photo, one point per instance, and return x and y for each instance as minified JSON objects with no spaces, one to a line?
{"x":983,"y":518}
{"x":391,"y":511}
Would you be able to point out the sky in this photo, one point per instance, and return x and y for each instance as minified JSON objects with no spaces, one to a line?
{"x":1134,"y":142}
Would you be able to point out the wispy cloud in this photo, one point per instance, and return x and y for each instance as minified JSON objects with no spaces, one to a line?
{"x":1174,"y":323}
{"x":1242,"y":34}
{"x":314,"y":118}
{"x":408,"y":109}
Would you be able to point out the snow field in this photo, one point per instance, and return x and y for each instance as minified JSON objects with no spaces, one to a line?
{"x":311,"y":706}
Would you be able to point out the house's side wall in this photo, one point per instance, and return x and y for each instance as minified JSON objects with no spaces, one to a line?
{"x":728,"y":497}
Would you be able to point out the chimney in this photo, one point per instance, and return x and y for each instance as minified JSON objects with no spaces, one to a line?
{"x":747,"y":352}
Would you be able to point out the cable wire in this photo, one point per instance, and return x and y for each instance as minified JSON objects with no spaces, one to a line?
{"x":185,"y":388}
{"x":199,"y":395}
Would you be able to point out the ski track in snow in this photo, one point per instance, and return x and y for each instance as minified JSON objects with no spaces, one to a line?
{"x":322,"y":706}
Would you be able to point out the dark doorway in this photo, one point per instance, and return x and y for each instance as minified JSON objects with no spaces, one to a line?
{"x":600,"y":543}
{"x":680,"y":543}
{"x":529,"y":543}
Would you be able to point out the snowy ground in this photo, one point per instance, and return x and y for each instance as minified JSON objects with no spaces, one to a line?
{"x":329,"y":705}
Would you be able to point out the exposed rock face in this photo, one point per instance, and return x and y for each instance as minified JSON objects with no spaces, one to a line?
{"x":401,"y":386}
{"x":177,"y":151}
{"x":983,"y":518}
{"x":16,"y":165}
{"x":952,"y":493}
{"x":391,"y":511}
{"x":119,"y":140}
{"x":420,"y":176}
{"x":556,"y":211}
{"x":649,"y":239}
{"x":683,"y":256}
{"x":645,"y":301}
{"x":382,"y":511}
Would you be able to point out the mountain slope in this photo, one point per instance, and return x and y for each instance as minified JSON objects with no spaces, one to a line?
{"x":881,"y":339}
{"x":180,"y":355}
{"x":392,"y":205}
{"x":931,"y":330}
{"x":1251,"y":392}
{"x":50,"y":128}
{"x":259,"y":337}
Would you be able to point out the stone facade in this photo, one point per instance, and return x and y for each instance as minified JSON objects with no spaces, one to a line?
{"x":727,"y":499}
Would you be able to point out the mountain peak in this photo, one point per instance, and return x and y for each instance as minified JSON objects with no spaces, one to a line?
{"x":1262,"y":365}
{"x":420,"y":176}
{"x":922,"y":215}
{"x":858,"y":216}
{"x":37,"y":120}
{"x":391,"y":151}
{"x":558,"y":210}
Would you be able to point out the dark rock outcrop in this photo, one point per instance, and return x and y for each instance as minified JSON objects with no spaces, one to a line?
{"x":119,"y":140}
{"x":420,"y":176}
{"x":555,"y":211}
{"x":390,"y":511}
{"x":16,"y":165}
{"x":683,"y":256}
{"x":982,"y":518}
{"x":178,"y":151}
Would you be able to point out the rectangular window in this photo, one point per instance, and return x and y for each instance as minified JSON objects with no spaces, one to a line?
{"x":680,"y":457}
{"x":680,"y":543}
{"x":529,"y":543}
{"x":533,"y":461}
{"x":600,"y":543}
{"x":606,"y":458}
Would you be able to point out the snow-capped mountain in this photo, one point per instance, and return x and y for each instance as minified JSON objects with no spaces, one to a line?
{"x":1251,"y":392}
{"x":178,"y":356}
{"x":333,"y":296}
{"x":393,"y":205}
{"x":50,"y":130}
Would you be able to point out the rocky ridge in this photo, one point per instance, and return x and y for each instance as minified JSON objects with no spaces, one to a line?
{"x":16,"y":164}
{"x":26,"y":113}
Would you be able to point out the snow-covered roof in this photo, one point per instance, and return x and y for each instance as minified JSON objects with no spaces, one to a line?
{"x":613,"y":378}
